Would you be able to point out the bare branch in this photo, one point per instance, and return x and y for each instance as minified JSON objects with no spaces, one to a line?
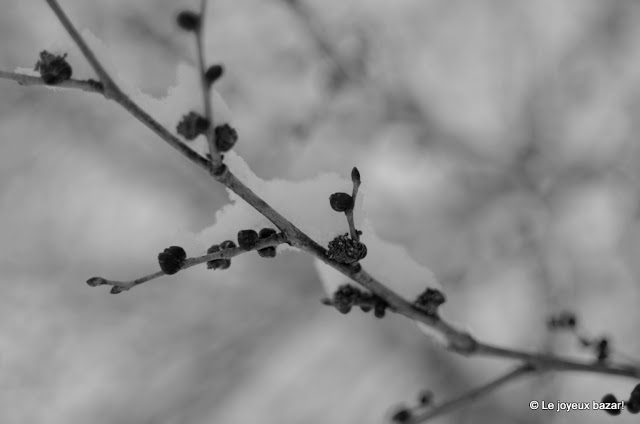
{"x":459,"y":341}
{"x":229,"y":253}
{"x":102,"y":73}
{"x":472,"y":395}
{"x":90,"y":86}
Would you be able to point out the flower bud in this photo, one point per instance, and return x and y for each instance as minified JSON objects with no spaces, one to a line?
{"x":268,"y":252}
{"x":116,"y":290}
{"x":226,"y":137}
{"x":188,"y":20}
{"x":346,"y":251}
{"x":610,"y":398}
{"x":213,"y":74}
{"x":171,"y":259}
{"x":355,"y":175}
{"x":53,"y":69}
{"x":266,"y":233}
{"x":96,"y":281}
{"x":217,"y":263}
{"x":192,"y":125}
{"x":402,"y":415}
{"x":341,"y":202}
{"x":247,"y":239}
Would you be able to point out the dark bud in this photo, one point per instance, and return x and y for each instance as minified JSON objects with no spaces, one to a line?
{"x":266,"y":233}
{"x":636,"y":392}
{"x":188,"y":21}
{"x":355,"y":175}
{"x":402,"y":415}
{"x":227,"y":244}
{"x":346,"y":251}
{"x":247,"y":239}
{"x":632,"y":406}
{"x":365,"y":308}
{"x":602,"y":350}
{"x":425,"y":397}
{"x":326,"y":301}
{"x":53,"y":69}
{"x":610,"y":398}
{"x":171,"y":259}
{"x":341,"y":202}
{"x":226,"y":137}
{"x":380,"y":309}
{"x":116,"y":290}
{"x":268,"y":252}
{"x":346,"y":297}
{"x":217,"y":263}
{"x":429,"y":301}
{"x":192,"y":125}
{"x":213,"y":74}
{"x":96,"y":281}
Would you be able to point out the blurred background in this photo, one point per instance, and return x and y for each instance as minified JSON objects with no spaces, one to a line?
{"x":496,"y":141}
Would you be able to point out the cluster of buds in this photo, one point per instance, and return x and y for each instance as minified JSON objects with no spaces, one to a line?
{"x":345,"y":250}
{"x":429,"y":301}
{"x":347,"y":296}
{"x":53,"y":69}
{"x":226,"y":137}
{"x":192,"y":125}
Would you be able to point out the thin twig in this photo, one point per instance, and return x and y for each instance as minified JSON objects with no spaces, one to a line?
{"x":216,"y":159}
{"x":459,"y":341}
{"x":275,"y":240}
{"x":349,"y":212}
{"x":90,"y":86}
{"x":472,"y":395}
{"x":102,"y":73}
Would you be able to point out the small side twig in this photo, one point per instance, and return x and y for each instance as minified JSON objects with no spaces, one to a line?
{"x":458,"y":340}
{"x":472,"y":395}
{"x":229,"y":253}
{"x":90,"y":86}
{"x":355,"y":179}
{"x":216,"y":159}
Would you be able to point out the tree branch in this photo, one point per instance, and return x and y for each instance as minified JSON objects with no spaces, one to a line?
{"x":472,"y":395}
{"x":229,"y":253}
{"x":458,"y":340}
{"x":90,"y":86}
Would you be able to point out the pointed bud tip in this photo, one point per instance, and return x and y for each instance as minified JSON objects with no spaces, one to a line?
{"x":96,"y":281}
{"x":355,"y":175}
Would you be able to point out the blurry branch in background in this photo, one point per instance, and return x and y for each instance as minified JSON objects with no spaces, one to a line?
{"x":345,"y":66}
{"x":398,"y":101}
{"x":419,"y":415}
{"x":173,"y":259}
